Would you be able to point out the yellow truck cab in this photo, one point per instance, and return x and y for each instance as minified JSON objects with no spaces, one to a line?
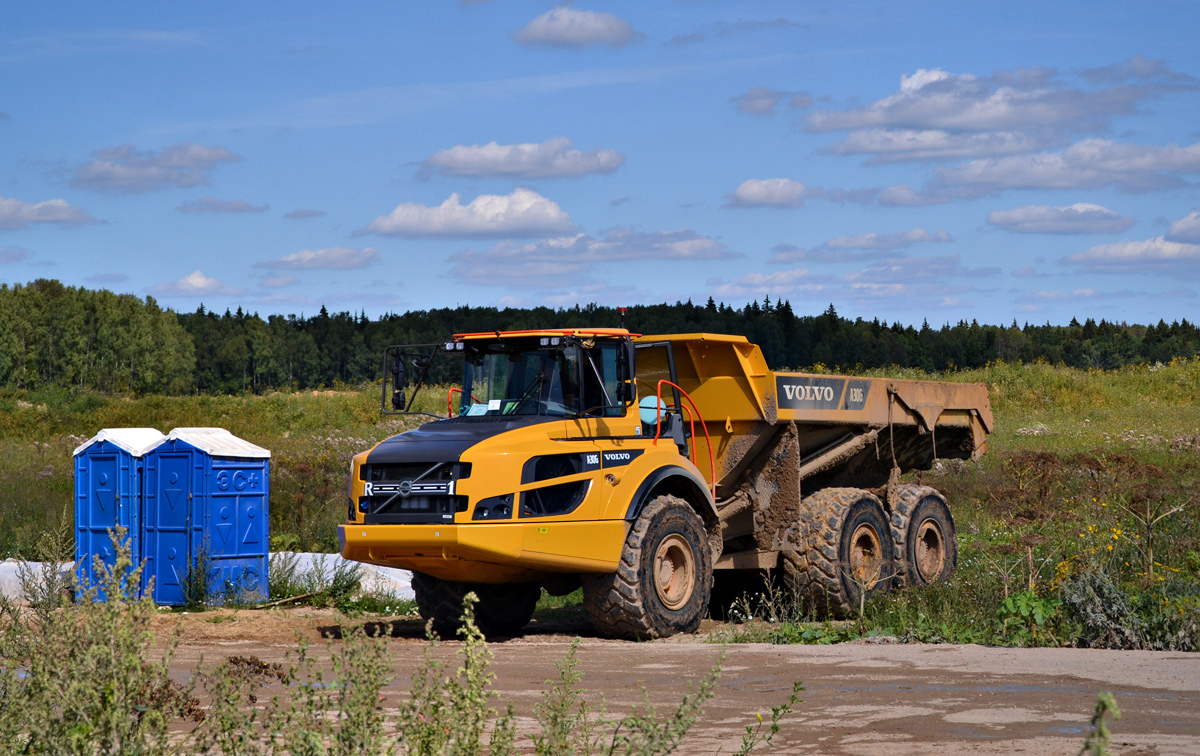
{"x":633,"y":466}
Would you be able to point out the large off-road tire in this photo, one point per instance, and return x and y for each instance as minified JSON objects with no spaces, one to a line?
{"x":923,"y":529}
{"x":501,"y":610}
{"x":664,"y":581}
{"x":849,"y":551}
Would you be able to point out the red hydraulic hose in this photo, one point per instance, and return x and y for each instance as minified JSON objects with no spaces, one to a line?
{"x":693,"y":413}
{"x":450,"y":400}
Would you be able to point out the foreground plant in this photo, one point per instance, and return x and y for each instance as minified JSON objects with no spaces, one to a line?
{"x":448,"y":711}
{"x":1098,"y":739}
{"x":87,"y":684}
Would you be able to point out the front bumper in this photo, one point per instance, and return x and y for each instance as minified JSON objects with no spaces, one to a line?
{"x":495,"y":552}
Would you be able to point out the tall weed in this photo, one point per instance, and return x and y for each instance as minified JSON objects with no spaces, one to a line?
{"x":90,"y":685}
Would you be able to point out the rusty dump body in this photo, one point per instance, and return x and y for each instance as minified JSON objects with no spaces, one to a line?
{"x":776,"y":437}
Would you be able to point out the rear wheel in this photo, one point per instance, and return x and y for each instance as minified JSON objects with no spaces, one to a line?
{"x":664,"y":581}
{"x":848,"y":556}
{"x":927,"y":545}
{"x":502,"y":609}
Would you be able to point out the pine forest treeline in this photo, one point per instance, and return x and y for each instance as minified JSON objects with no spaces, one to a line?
{"x":53,"y":335}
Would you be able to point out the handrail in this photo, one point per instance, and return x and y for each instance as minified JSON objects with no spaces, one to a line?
{"x":450,"y":400}
{"x":693,"y":413}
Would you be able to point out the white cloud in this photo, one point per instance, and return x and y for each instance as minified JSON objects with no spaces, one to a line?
{"x":194,"y":284}
{"x":565,"y":260}
{"x":763,"y":100}
{"x":937,"y":99}
{"x":1025,"y":271}
{"x":16,"y":214}
{"x":572,"y":27}
{"x":1151,"y":255}
{"x":304,"y":214}
{"x":1137,"y":67}
{"x":892,"y":292}
{"x":1033,"y":300}
{"x":782,"y":284}
{"x":553,"y":158}
{"x":892,"y":145}
{"x":774,"y":192}
{"x":1087,"y":164}
{"x":1186,"y":229}
{"x":903,"y":195}
{"x":887,"y":241}
{"x":124,"y":169}
{"x":522,"y":213}
{"x":841,"y":196}
{"x":911,"y":269}
{"x":1091,"y":163}
{"x":1080,"y":218}
{"x":938,"y":115}
{"x":856,"y":247}
{"x":596,"y":292}
{"x":918,"y":297}
{"x":13,"y":254}
{"x":211,"y":204}
{"x":330,"y":258}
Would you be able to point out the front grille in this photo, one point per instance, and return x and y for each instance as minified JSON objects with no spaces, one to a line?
{"x":414,"y":508}
{"x":412,"y":492}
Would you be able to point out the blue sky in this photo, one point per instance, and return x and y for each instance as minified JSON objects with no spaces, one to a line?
{"x":995,"y":161}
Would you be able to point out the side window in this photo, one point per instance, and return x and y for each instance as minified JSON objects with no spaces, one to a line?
{"x":608,"y":368}
{"x":653,"y":365}
{"x":600,"y":380}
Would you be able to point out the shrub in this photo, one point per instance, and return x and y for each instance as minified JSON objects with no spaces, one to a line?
{"x":1102,"y":612}
{"x":88,"y":688}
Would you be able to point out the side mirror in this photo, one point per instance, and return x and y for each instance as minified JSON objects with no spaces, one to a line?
{"x":398,"y":402}
{"x":399,"y":370}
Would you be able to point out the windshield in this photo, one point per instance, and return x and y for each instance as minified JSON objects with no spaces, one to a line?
{"x":511,"y":379}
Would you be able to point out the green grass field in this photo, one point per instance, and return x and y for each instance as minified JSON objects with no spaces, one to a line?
{"x":1081,"y":525}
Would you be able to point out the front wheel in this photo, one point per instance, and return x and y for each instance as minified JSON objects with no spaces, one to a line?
{"x":664,"y":581}
{"x":501,"y":610}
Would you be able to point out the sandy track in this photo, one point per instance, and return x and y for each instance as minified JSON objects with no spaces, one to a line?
{"x":860,"y":698}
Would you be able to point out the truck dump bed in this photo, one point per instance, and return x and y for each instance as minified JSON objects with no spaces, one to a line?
{"x":846,"y":430}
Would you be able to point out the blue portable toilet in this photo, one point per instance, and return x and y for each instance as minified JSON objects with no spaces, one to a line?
{"x":206,"y":500}
{"x":109,"y":471}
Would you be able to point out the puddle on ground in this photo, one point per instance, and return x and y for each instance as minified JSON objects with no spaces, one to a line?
{"x":1003,"y":715}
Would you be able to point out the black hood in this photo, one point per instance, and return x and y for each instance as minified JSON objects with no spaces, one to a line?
{"x":446,"y":440}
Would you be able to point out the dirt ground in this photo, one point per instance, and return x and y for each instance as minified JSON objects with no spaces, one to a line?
{"x":860,"y":698}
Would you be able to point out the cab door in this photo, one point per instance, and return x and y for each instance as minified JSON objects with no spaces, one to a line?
{"x":610,"y":415}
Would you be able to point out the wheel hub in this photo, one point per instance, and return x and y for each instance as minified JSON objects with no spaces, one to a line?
{"x":674,"y":571}
{"x":866,"y":557}
{"x":931,"y":551}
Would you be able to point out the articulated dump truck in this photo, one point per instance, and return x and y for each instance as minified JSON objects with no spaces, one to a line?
{"x":637,"y":466}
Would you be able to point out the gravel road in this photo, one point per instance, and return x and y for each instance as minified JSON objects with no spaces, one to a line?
{"x":860,"y":698}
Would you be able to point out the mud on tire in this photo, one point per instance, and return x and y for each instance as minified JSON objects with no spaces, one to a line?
{"x":664,"y":581}
{"x":923,"y":529}
{"x":501,"y":610}
{"x":849,"y":549}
